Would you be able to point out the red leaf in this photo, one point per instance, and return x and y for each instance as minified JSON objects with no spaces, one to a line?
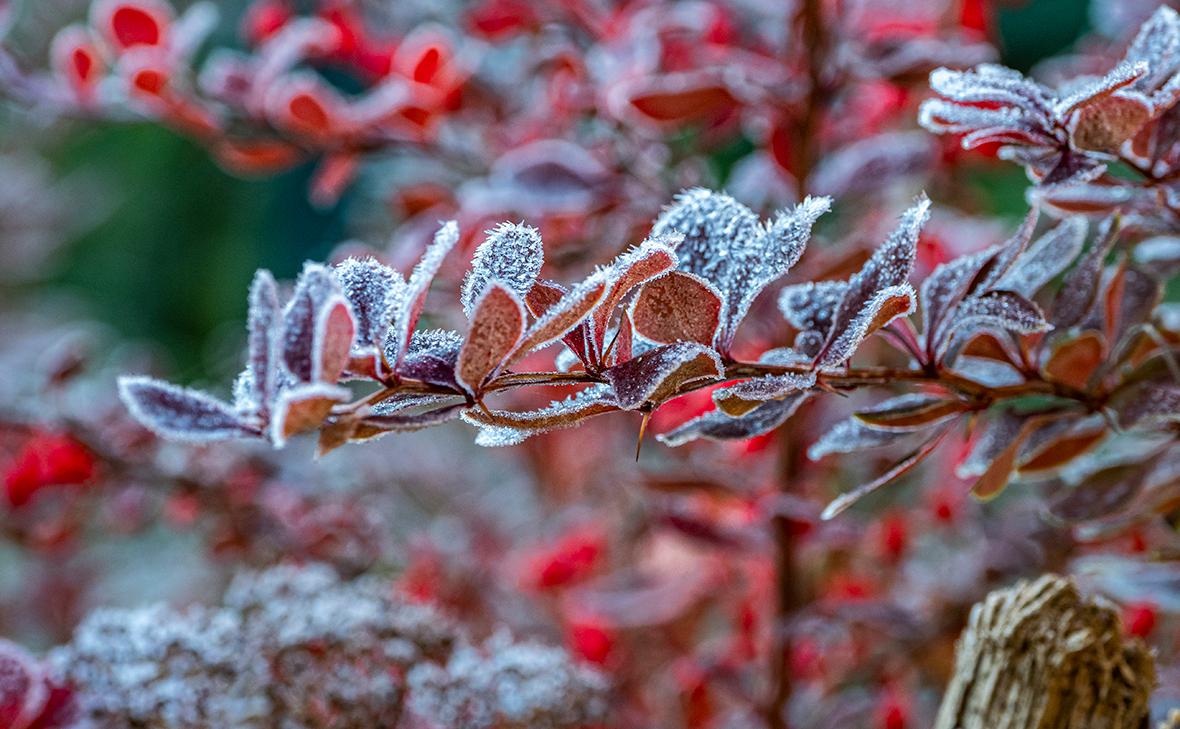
{"x":677,"y":307}
{"x":561,"y":316}
{"x":406,"y":317}
{"x":913,"y":413}
{"x":636,"y":266}
{"x":497,"y":325}
{"x":130,"y":24}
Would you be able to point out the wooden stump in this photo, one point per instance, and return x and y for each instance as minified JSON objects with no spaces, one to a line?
{"x":1040,"y":656}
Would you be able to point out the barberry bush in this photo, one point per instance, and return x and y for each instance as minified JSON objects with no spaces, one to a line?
{"x":875,"y":394}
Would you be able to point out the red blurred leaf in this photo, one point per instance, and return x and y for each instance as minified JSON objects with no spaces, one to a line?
{"x":905,"y":465}
{"x":1074,"y":361}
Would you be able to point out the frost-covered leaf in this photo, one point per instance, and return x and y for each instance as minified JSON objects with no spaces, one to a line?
{"x":497,"y":324}
{"x":1097,"y":92}
{"x":318,"y":327}
{"x":660,"y":373}
{"x":1002,"y":464}
{"x":432,"y":356}
{"x":262,"y":330}
{"x":944,"y":288}
{"x":1105,"y":125}
{"x":716,"y":425}
{"x":811,"y":306}
{"x":884,"y":307}
{"x":1100,"y":494}
{"x":725,"y":244}
{"x":996,"y":309}
{"x":374,"y":291}
{"x":1080,"y":286}
{"x":1157,"y":44}
{"x":410,"y":308}
{"x":852,"y":435}
{"x":637,"y":266}
{"x":879,"y":292}
{"x":180,"y":413}
{"x":1045,"y":259}
{"x":677,"y":307}
{"x":743,"y":397}
{"x":1161,"y":254}
{"x":843,"y":502}
{"x":302,"y":408}
{"x":563,"y":315}
{"x":512,"y":255}
{"x":505,"y":427}
{"x":908,"y":413}
{"x":373,"y":426}
{"x":1147,"y":404}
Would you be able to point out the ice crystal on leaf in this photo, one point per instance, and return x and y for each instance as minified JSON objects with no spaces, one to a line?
{"x":659,"y":374}
{"x":181,"y":413}
{"x":716,"y":425}
{"x":725,"y":244}
{"x":879,"y":293}
{"x":410,"y":308}
{"x":512,"y":255}
{"x":373,"y":290}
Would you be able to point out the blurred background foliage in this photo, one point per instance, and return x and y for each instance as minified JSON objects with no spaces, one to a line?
{"x":178,"y":239}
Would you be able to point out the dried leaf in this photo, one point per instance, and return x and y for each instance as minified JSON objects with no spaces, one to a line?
{"x":180,"y":413}
{"x":677,"y":307}
{"x":660,"y":373}
{"x":495,"y":331}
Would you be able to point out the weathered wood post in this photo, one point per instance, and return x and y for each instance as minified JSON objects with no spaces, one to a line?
{"x":1040,"y":656}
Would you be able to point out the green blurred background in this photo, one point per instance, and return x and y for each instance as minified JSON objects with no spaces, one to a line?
{"x":170,"y":261}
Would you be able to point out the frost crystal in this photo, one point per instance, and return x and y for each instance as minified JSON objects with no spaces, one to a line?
{"x":716,"y":425}
{"x":1046,"y":258}
{"x":406,"y":317}
{"x":505,"y":684}
{"x":725,"y":244}
{"x":179,"y":412}
{"x":374,"y":291}
{"x":511,"y":254}
{"x":298,"y":648}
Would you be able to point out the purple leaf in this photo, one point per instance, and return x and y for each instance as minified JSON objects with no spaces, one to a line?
{"x":512,"y":255}
{"x":432,"y":356}
{"x":877,"y":289}
{"x":716,"y":425}
{"x":318,"y":327}
{"x":852,"y":435}
{"x":180,"y":413}
{"x":1045,"y":259}
{"x":996,"y":309}
{"x":659,"y":374}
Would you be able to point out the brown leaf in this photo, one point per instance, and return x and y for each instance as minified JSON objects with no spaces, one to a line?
{"x":496,"y":327}
{"x":1074,"y":361}
{"x":303,"y":408}
{"x":1103,"y":126}
{"x":1063,"y":449}
{"x":995,"y":478}
{"x":677,"y":307}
